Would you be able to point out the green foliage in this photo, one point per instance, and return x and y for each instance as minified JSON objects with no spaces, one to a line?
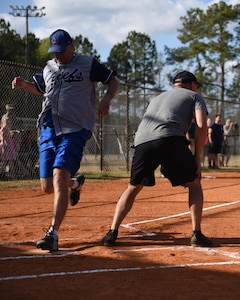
{"x":233,"y":92}
{"x":210,"y":41}
{"x":33,"y":44}
{"x":135,"y":59}
{"x":119,"y":60}
{"x":84,"y":47}
{"x":41,"y":54}
{"x":12,"y":47}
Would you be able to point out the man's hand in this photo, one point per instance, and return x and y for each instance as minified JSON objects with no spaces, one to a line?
{"x":103,"y":108}
{"x":113,"y":86}
{"x":17,"y":82}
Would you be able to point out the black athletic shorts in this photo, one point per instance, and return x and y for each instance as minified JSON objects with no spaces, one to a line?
{"x":171,"y":153}
{"x":215,"y":149}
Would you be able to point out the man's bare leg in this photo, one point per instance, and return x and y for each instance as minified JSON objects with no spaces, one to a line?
{"x":123,"y":207}
{"x":196,"y":206}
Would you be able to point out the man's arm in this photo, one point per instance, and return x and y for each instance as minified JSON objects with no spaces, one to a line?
{"x":113,"y":86}
{"x":200,"y":137}
{"x":228,"y":131}
{"x":19,"y":82}
{"x":210,"y":136}
{"x":200,"y":132}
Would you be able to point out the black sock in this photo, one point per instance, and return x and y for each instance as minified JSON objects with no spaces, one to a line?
{"x":197,"y":232}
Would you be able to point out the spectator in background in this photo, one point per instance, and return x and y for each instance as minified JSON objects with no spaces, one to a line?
{"x":10,"y":114}
{"x":8,"y":151}
{"x":16,"y":140}
{"x":228,"y":142}
{"x":235,"y":137}
{"x":215,"y":135}
{"x":29,"y":151}
{"x":15,"y":134}
{"x":235,"y":128}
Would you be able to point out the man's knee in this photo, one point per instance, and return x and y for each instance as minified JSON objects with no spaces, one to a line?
{"x":194,"y":183}
{"x":47,"y":185}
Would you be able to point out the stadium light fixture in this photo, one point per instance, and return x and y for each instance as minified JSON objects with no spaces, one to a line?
{"x":27,"y":12}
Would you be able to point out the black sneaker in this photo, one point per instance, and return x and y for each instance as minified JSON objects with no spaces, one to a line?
{"x":200,"y":240}
{"x":75,"y":193}
{"x":49,"y":242}
{"x":110,"y":238}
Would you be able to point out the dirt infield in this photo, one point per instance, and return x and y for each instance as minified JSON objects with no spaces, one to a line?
{"x":152,"y":259}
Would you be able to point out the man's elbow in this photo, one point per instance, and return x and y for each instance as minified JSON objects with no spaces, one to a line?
{"x":114,"y":80}
{"x":113,"y":85}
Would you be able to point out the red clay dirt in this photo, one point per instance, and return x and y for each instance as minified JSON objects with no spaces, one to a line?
{"x":153,"y":258}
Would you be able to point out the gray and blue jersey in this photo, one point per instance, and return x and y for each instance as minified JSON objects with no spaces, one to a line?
{"x":69,"y":93}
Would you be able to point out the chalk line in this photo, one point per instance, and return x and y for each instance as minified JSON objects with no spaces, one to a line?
{"x":177,"y":215}
{"x":97,"y":271}
{"x":207,"y":250}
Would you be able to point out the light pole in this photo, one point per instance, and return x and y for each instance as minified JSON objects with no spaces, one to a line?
{"x":27,"y":12}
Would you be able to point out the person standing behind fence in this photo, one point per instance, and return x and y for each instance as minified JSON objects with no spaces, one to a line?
{"x":66,"y":121}
{"x":28,"y":154}
{"x":215,"y":136}
{"x":228,"y":142}
{"x":235,"y":138}
{"x":161,"y":140}
{"x":8,"y":151}
{"x":10,"y":114}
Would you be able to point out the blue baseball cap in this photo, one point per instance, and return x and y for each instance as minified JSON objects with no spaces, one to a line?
{"x":59,"y":40}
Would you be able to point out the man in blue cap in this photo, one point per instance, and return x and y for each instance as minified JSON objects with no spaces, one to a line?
{"x":66,"y":121}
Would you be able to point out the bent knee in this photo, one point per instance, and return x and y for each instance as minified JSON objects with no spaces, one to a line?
{"x":46,"y":185}
{"x":195,"y":182}
{"x":47,"y":190}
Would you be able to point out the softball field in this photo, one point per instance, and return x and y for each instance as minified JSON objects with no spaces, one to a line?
{"x":152,"y":260}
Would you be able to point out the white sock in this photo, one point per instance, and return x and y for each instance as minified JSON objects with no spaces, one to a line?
{"x":75,"y":183}
{"x":52,"y":230}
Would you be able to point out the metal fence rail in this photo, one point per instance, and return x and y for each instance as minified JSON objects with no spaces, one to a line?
{"x":109,"y":149}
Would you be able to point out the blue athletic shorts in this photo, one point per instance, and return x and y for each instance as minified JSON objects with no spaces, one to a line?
{"x":171,"y":153}
{"x":63,"y":151}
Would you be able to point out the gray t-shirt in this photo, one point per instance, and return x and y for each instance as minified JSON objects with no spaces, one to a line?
{"x":169,"y":114}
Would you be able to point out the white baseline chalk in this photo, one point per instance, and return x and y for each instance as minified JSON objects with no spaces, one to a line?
{"x":178,"y":215}
{"x":33,"y":276}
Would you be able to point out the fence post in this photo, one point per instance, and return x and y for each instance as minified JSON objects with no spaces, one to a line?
{"x":127,"y":129}
{"x":100,"y":86}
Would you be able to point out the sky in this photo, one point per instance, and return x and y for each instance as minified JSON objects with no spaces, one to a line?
{"x":106,"y":22}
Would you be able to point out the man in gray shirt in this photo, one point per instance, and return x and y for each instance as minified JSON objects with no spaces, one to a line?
{"x":161,"y":141}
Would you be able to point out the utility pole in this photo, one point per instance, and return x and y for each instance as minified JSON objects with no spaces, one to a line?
{"x":27,"y":12}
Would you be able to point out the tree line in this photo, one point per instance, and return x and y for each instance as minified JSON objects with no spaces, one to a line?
{"x":210,"y":48}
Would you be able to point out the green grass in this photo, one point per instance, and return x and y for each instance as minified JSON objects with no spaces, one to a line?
{"x":14,"y":184}
{"x":106,"y":175}
{"x":28,"y":183}
{"x":96,"y":176}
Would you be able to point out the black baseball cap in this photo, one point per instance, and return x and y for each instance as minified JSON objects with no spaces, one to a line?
{"x":185,"y":77}
{"x":59,"y":40}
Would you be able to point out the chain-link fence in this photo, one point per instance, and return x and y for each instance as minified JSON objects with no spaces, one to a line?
{"x":109,"y":149}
